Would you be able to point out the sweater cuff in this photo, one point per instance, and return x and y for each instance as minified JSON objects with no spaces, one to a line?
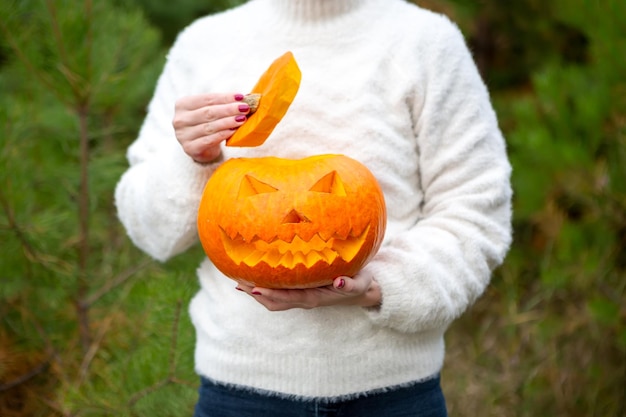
{"x":213,"y":162}
{"x":183,"y":164}
{"x":390,"y":289}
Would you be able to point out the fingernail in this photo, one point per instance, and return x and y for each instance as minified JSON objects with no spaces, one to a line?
{"x":240,"y":118}
{"x":256,"y":293}
{"x":244,"y":108}
{"x":342,"y":283}
{"x":238,"y":97}
{"x":238,"y":289}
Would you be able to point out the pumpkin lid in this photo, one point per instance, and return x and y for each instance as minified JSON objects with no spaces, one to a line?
{"x":277,"y":87}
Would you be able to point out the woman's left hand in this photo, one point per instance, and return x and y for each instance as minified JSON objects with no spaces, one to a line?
{"x":362,"y":290}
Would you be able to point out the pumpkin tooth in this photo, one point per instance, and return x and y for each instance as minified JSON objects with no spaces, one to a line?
{"x":300,"y":245}
{"x":312,"y":258}
{"x":316,"y":243}
{"x":286,"y":260}
{"x":329,"y":255}
{"x":272,"y":258}
{"x":326,"y":236}
{"x":253,"y":258}
{"x":260,"y":245}
{"x":358,"y":232}
{"x":291,"y":259}
{"x":236,"y":248}
{"x":298,"y":258}
{"x":348,"y":248}
{"x":278,"y":252}
{"x":343,"y":233}
{"x":232,"y":234}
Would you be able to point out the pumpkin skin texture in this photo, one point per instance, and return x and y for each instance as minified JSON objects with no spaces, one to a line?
{"x":277,"y":88}
{"x":286,"y":223}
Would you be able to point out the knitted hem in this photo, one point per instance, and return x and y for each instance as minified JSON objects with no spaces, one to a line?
{"x":326,"y":400}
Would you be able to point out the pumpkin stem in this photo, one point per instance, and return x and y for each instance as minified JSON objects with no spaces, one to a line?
{"x":252,"y":100}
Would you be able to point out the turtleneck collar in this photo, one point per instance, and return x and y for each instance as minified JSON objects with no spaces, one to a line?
{"x":314,"y":10}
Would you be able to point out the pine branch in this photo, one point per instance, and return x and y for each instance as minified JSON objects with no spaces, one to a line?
{"x":84,"y":249}
{"x":31,"y":253}
{"x":26,"y":376}
{"x":93,"y":349}
{"x":53,"y":357}
{"x":114,"y":283}
{"x":171,"y":377}
{"x":15,"y":228}
{"x":69,"y":75}
{"x":38,"y":75}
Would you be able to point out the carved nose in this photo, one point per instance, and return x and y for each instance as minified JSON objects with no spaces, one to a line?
{"x":294,"y":217}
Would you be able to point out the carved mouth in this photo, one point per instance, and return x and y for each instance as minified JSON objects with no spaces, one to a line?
{"x":289,"y":254}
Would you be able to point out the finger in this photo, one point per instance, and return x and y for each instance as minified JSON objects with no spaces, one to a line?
{"x":271,"y":305}
{"x":362,"y":290}
{"x":184,"y":119}
{"x":304,"y":298}
{"x":211,"y":128}
{"x":244,"y":288}
{"x":266,"y":302}
{"x":277,"y":300}
{"x":347,"y":285}
{"x":203,"y":100}
{"x":202,"y":142}
{"x":223,"y":128}
{"x":205,"y":149}
{"x":339,"y":283}
{"x":217,"y":112}
{"x":251,"y":291}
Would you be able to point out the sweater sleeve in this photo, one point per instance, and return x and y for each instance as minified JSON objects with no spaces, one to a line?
{"x":431,"y":273}
{"x":158,"y":196}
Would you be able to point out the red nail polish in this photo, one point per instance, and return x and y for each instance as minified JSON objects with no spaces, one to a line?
{"x":256,"y":293}
{"x":342,"y":283}
{"x":238,"y":97}
{"x":240,"y":118}
{"x":244,"y":108}
{"x":238,"y":289}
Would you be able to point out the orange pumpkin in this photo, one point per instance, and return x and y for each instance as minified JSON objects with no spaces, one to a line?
{"x":277,"y":89}
{"x":283,"y":223}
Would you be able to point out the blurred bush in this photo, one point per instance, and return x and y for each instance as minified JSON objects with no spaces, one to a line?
{"x":171,"y":16}
{"x":88,"y":325}
{"x":549,"y":338}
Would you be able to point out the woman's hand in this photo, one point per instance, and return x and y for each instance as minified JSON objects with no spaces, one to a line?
{"x":203,"y":122}
{"x":361,"y":291}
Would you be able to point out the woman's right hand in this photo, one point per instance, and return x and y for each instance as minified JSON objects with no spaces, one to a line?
{"x":203,"y":122}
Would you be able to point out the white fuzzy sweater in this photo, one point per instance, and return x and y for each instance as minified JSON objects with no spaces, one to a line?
{"x":386,"y":83}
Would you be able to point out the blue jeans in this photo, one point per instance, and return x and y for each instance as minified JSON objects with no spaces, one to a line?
{"x":424,"y":399}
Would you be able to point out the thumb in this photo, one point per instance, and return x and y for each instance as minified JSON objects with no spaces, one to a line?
{"x":367,"y":291}
{"x":345,"y":284}
{"x":339,"y":283}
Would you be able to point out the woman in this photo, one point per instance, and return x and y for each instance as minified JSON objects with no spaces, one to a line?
{"x":384,"y":82}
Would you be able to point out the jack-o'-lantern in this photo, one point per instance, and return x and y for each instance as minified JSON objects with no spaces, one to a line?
{"x":285,"y":223}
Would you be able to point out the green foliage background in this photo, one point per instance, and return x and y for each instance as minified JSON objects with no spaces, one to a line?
{"x":89,"y":326}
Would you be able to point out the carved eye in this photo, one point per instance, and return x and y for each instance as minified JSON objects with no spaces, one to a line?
{"x":331,"y":184}
{"x":251,"y":186}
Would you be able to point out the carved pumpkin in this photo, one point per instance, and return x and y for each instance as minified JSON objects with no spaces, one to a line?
{"x":283,"y":223}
